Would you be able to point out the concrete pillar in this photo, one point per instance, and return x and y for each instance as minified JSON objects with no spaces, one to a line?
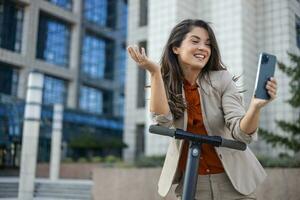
{"x":56,"y":141}
{"x":75,"y":56}
{"x":31,"y":130}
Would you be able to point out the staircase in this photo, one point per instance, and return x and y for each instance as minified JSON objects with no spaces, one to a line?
{"x":46,"y":189}
{"x":8,"y":188}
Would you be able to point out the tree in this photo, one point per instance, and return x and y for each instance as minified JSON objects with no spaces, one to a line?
{"x":291,"y":140}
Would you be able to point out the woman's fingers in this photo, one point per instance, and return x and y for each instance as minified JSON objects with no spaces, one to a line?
{"x":272,"y":88}
{"x":138,"y":53}
{"x":144,"y":57}
{"x":133,"y":54}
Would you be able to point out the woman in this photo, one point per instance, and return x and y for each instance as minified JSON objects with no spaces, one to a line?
{"x":192,"y":90}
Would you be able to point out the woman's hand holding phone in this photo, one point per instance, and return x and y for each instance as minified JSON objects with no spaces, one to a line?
{"x":271,"y":88}
{"x":265,"y":85}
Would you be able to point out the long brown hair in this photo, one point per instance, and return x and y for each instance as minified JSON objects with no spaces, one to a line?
{"x":171,"y":71}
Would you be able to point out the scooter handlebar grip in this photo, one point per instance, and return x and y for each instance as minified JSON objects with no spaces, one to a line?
{"x":160,"y":130}
{"x":233,"y":144}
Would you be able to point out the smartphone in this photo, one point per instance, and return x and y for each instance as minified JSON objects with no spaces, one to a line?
{"x":266,"y":70}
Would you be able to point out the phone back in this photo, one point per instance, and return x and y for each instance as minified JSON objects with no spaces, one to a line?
{"x":266,"y":69}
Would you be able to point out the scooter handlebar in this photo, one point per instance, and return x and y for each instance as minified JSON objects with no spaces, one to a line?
{"x":217,"y":140}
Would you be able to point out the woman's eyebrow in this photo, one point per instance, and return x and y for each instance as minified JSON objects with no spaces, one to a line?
{"x":197,"y":37}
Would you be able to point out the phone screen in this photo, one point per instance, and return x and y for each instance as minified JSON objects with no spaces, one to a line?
{"x":266,"y":69}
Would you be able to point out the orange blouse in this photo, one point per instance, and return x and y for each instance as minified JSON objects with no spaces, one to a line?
{"x":209,"y":160}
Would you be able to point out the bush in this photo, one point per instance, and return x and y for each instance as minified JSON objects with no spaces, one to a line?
{"x":286,"y":162}
{"x":67,"y":160}
{"x":97,"y":159}
{"x":82,"y":160}
{"x":150,"y":161}
{"x":111,"y":159}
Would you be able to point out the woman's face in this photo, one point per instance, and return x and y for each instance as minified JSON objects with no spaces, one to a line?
{"x":194,"y":51}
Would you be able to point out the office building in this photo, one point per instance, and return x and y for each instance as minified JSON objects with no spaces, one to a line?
{"x":243,"y":30}
{"x":80,"y":48}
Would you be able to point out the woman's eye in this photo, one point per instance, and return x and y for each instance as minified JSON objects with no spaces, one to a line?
{"x":195,"y":41}
{"x":208,"y":44}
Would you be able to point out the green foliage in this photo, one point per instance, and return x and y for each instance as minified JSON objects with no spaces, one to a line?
{"x":67,"y":160}
{"x":97,"y":159}
{"x":291,"y":140}
{"x":111,"y":159}
{"x":150,"y":161}
{"x":294,"y":73}
{"x":286,"y":162}
{"x":82,"y":160}
{"x":92,"y":141}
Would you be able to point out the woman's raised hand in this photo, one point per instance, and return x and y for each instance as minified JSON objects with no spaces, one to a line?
{"x":142,"y":60}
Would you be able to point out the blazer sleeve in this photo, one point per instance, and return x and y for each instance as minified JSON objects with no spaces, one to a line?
{"x":234,"y":111}
{"x":162,"y":120}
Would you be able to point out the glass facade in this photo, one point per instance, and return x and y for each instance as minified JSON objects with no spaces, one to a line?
{"x":100,"y":12}
{"x":122,"y":67}
{"x":91,"y":100}
{"x":11,"y":25}
{"x":108,"y":103}
{"x":54,"y":91}
{"x":66,"y":4}
{"x":123,"y":17}
{"x":97,"y":57}
{"x":103,"y":30}
{"x":8,"y":79}
{"x":93,"y":57}
{"x":121,"y":78}
{"x":121,"y":101}
{"x":54,"y":41}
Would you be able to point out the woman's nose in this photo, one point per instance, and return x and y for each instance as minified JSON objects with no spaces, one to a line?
{"x":201,"y":46}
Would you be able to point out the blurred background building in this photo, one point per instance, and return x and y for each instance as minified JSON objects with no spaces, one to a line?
{"x":80,"y":47}
{"x":243,"y":30}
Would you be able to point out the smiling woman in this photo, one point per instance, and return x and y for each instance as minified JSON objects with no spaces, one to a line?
{"x":193,"y":91}
{"x":193,"y":53}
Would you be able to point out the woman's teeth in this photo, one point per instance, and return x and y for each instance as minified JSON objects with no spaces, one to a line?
{"x":199,"y":56}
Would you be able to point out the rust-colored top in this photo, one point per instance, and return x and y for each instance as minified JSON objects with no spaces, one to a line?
{"x":209,"y":160}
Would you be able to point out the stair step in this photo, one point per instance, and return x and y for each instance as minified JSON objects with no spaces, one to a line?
{"x":45,"y":190}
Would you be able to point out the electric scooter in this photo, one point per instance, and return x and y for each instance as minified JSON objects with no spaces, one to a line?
{"x":194,"y":152}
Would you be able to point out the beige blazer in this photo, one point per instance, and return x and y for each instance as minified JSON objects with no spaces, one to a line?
{"x":222,"y":110}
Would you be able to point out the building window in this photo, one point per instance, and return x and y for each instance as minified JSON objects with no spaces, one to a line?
{"x":298,"y":31}
{"x":108,"y":103}
{"x":143,"y":13}
{"x":97,"y":57}
{"x":141,"y":82}
{"x":8,"y":79}
{"x":101,"y":12}
{"x":121,"y":70}
{"x":54,"y":91}
{"x":140,"y":140}
{"x":66,"y":4}
{"x":91,"y":100}
{"x":120,"y":104}
{"x":11,"y":24}
{"x":123,"y":17}
{"x":53,"y":41}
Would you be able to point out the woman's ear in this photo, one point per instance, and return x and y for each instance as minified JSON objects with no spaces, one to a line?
{"x":175,"y":50}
